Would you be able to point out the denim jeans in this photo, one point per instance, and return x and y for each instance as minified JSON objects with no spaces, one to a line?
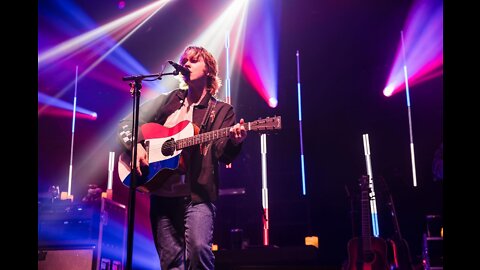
{"x":178,"y":223}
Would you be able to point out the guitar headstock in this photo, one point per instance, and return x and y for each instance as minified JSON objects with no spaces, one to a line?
{"x":266,"y":125}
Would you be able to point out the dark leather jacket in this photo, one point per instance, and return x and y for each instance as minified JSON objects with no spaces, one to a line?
{"x":202,"y":170}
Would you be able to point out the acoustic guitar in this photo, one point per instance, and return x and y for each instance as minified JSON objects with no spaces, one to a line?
{"x":401,"y":259}
{"x":164,"y":147}
{"x":366,"y":252}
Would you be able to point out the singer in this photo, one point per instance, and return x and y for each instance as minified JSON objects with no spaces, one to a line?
{"x":182,"y":210}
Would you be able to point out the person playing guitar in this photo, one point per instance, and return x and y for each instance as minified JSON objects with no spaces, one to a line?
{"x":182,"y":209}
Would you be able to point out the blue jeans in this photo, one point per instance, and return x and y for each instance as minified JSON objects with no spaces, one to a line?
{"x":178,"y":223}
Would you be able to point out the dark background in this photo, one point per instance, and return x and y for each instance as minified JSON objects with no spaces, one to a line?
{"x":347,"y":48}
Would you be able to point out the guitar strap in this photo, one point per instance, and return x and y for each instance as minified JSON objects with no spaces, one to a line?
{"x":211,"y":105}
{"x":209,"y":114}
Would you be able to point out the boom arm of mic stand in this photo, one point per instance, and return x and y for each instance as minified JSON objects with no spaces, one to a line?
{"x":140,"y":77}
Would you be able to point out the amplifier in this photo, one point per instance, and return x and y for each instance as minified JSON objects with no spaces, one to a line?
{"x":92,"y":231}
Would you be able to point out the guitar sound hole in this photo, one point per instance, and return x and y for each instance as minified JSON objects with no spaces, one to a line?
{"x":168,"y":147}
{"x":368,"y":257}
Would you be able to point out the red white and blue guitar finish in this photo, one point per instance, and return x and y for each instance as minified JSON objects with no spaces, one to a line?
{"x":164,"y":147}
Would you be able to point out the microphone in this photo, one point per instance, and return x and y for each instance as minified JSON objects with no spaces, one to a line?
{"x":179,"y":68}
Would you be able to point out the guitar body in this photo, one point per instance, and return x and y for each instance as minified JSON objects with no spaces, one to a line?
{"x":161,"y":165}
{"x":401,"y":254}
{"x":374,"y":259}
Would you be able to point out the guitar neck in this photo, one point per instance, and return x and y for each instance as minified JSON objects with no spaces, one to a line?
{"x":263,"y":125}
{"x":366,"y":228}
{"x":366,"y":216}
{"x":203,"y":137}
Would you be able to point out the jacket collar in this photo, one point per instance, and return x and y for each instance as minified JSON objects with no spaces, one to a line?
{"x":204,"y":102}
{"x":182,"y":94}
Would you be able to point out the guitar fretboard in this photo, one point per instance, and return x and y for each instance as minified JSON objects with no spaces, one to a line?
{"x":366,"y":228}
{"x":366,"y":222}
{"x":203,"y":137}
{"x":264,"y":125}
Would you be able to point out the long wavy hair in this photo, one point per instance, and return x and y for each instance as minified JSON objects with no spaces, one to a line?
{"x":213,"y":81}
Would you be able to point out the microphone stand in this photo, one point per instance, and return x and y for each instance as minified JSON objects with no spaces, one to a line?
{"x":135,"y":87}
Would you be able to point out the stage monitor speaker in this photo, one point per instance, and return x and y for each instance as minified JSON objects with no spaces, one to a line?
{"x":76,"y":230}
{"x":74,"y":258}
{"x":61,"y":259}
{"x":266,"y":256}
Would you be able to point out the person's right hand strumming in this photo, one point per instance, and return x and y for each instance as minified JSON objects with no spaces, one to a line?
{"x":142,"y":158}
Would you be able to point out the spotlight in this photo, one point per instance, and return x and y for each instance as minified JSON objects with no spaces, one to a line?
{"x":272,"y":102}
{"x":121,"y":4}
